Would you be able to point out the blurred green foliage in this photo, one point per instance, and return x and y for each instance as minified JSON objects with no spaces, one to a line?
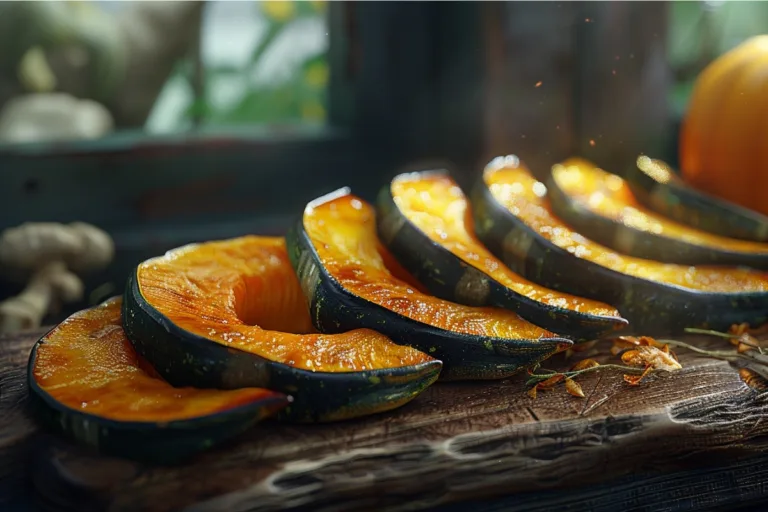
{"x":302,"y":98}
{"x":699,"y":32}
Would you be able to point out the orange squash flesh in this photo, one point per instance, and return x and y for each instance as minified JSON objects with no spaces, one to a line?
{"x":610,"y":196}
{"x":343,"y":232}
{"x":87,"y":364}
{"x":243,"y":294}
{"x":438,"y":207}
{"x":525,"y":197}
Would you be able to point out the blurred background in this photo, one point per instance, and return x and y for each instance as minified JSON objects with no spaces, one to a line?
{"x":165,"y":123}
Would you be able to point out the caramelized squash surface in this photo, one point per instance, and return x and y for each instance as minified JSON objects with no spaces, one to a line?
{"x":243,"y":293}
{"x":525,"y":197}
{"x":439,"y":208}
{"x":610,"y":196}
{"x":343,"y":232}
{"x":87,"y":364}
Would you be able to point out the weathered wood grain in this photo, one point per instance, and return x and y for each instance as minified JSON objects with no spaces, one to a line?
{"x":17,"y":430}
{"x":460,"y":441}
{"x":738,"y":485}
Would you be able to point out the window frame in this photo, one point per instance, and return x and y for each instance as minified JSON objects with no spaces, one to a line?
{"x":386,"y":101}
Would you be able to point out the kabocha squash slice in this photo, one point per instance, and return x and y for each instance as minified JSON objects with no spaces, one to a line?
{"x":341,"y":265}
{"x":659,"y":188}
{"x":425,"y":221}
{"x":230,"y":314}
{"x":513,"y":218}
{"x":88,"y":383}
{"x":601,"y":205}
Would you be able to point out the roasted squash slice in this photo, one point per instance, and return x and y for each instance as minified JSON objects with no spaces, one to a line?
{"x":659,"y":188}
{"x":231,"y":314}
{"x":88,"y":383}
{"x":428,"y":211}
{"x":514,"y":220}
{"x":341,"y":266}
{"x":601,"y":206}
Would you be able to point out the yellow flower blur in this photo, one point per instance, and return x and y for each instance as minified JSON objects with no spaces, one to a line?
{"x":278,"y":10}
{"x":316,"y":74}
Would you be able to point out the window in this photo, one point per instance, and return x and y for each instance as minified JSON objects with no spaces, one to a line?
{"x":280,"y":102}
{"x":259,"y":63}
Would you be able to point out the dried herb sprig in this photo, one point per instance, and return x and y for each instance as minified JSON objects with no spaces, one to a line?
{"x":554,"y":377}
{"x":749,"y":355}
{"x":644,"y":355}
{"x":739,"y":336}
{"x":756,"y":361}
{"x":641,"y":356}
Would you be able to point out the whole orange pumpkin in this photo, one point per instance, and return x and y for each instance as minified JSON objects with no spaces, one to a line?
{"x":724,"y":135}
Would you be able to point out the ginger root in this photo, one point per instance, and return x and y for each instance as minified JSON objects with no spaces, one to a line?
{"x":49,"y":286}
{"x":48,"y":255}
{"x":30,"y":246}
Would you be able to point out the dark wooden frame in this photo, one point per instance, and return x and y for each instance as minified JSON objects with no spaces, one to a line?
{"x":410,"y":81}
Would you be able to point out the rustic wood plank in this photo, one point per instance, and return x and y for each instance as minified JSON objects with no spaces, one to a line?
{"x":735,"y":486}
{"x":458,"y":441}
{"x":17,"y":430}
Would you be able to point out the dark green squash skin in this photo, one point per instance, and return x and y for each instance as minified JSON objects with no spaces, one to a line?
{"x":156,"y":443}
{"x":447,"y":276}
{"x":642,"y":244}
{"x":186,"y":359}
{"x":686,"y":205}
{"x":652,"y":308}
{"x":464,"y":357}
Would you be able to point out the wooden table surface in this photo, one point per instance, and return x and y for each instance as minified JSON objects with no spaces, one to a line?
{"x":694,"y":439}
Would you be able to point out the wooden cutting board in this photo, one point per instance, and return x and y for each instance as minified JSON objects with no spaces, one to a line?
{"x":690,"y":440}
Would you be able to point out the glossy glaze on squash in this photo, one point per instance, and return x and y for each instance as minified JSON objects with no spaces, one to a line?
{"x":344,"y":235}
{"x":98,"y":389}
{"x":519,"y":191}
{"x":337,"y":238}
{"x":587,"y":197}
{"x":244,"y":294}
{"x":514,"y":220}
{"x":242,"y":297}
{"x":659,"y":188}
{"x":430,"y":210}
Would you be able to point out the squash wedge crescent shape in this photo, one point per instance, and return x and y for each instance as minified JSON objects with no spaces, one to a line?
{"x":231,"y":314}
{"x":349,"y":279}
{"x":88,"y":383}
{"x":514,"y":219}
{"x":428,"y":210}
